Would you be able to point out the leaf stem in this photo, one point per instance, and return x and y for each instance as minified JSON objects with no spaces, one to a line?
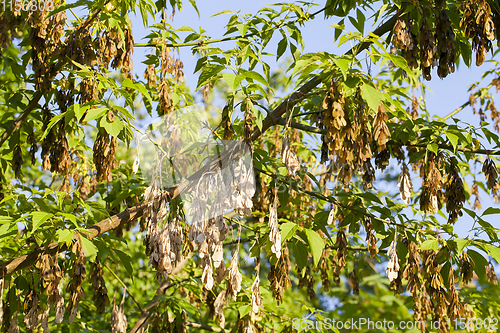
{"x":124,"y":286}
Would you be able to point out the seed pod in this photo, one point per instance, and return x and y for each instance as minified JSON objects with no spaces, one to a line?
{"x":118,"y":318}
{"x":405,"y":185}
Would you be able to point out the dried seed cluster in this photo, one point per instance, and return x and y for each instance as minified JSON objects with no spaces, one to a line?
{"x":454,"y":193}
{"x":278,"y":276}
{"x":101,"y":299}
{"x":348,"y":132}
{"x":104,"y":155}
{"x":118,"y":318}
{"x":477,"y":23}
{"x":75,"y":286}
{"x":425,"y":48}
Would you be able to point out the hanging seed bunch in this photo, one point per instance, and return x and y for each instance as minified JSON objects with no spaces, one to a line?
{"x":354,"y":282}
{"x":422,"y":304}
{"x":75,"y":286}
{"x":172,"y":67}
{"x":405,"y":185}
{"x":278,"y":277}
{"x":404,"y":39}
{"x":340,"y":259}
{"x":289,"y":157}
{"x":466,"y":267}
{"x":324,"y":267}
{"x":52,"y":282}
{"x":55,"y":150}
{"x":164,"y":235}
{"x":427,"y":49}
{"x":123,"y":57}
{"x":434,"y":285}
{"x":8,"y":27}
{"x":348,"y":133}
{"x":274,"y":232}
{"x":45,"y":39}
{"x":256,"y":302}
{"x":104,"y":155}
{"x":491,"y":276}
{"x":229,"y":188}
{"x":478,"y":25}
{"x":307,"y":279}
{"x":445,"y":41}
{"x":118,"y":318}
{"x":454,"y":193}
{"x":392,"y":270}
{"x":371,"y":239}
{"x":30,"y":306}
{"x":491,"y":174}
{"x":150,"y":76}
{"x":101,"y":298}
{"x":432,"y":197}
{"x":474,"y":190}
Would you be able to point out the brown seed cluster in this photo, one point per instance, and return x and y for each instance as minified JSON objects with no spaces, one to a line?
{"x":45,"y":39}
{"x":52,"y":282}
{"x":118,"y":318}
{"x":278,"y":277}
{"x":432,"y":196}
{"x":477,"y":23}
{"x":307,"y":279}
{"x":491,"y":174}
{"x":101,"y":298}
{"x":104,"y":155}
{"x":425,"y":48}
{"x":55,"y":151}
{"x":172,"y":67}
{"x":150,"y":76}
{"x":454,"y":193}
{"x":348,"y":133}
{"x":75,"y":285}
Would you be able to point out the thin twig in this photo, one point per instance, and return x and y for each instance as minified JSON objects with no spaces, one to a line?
{"x":124,"y":286}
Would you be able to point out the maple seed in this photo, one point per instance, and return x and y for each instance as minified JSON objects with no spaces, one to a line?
{"x":405,"y":185}
{"x":392,"y":270}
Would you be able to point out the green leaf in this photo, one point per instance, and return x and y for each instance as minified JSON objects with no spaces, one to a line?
{"x":491,"y":210}
{"x":39,"y":218}
{"x":433,"y":147}
{"x":95,"y":113}
{"x":125,"y":261}
{"x":316,"y":243}
{"x":207,"y":73}
{"x":281,"y":48}
{"x":430,"y":244}
{"x":65,"y":236}
{"x":461,"y":244}
{"x":89,"y":248}
{"x":493,"y":251}
{"x":453,"y":139}
{"x":299,"y":253}
{"x":113,"y":128}
{"x":255,"y":76}
{"x":480,"y":263}
{"x":372,"y":96}
{"x":343,"y":64}
{"x":287,"y":230}
{"x":259,"y":117}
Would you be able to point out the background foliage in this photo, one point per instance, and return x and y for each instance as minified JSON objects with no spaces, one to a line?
{"x":88,"y":245}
